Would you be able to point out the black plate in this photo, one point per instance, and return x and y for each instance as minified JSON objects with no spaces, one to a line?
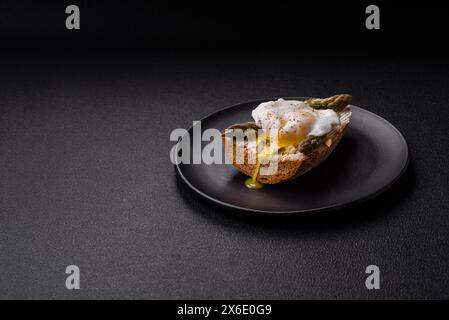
{"x":371,"y":156}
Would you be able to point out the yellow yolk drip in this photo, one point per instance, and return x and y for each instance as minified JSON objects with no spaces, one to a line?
{"x":252,"y":182}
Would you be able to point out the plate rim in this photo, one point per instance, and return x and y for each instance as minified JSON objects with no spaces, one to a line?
{"x":332,"y":207}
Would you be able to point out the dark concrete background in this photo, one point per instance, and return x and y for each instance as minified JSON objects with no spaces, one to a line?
{"x":86,"y":180}
{"x":85,"y":176}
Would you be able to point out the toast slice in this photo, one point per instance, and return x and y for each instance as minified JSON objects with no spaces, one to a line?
{"x":293,"y":164}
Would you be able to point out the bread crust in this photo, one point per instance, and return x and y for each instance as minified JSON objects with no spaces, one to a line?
{"x":289,"y":166}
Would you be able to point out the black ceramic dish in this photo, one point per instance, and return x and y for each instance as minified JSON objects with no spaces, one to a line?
{"x":371,"y":156}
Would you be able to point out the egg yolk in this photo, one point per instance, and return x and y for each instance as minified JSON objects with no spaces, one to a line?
{"x":292,"y":132}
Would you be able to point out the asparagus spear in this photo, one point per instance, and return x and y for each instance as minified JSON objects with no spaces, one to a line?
{"x":313,"y":142}
{"x":336,"y":103}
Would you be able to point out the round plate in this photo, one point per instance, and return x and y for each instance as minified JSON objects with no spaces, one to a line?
{"x":370,"y":157}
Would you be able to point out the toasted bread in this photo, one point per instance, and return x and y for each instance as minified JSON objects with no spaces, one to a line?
{"x":291,"y":165}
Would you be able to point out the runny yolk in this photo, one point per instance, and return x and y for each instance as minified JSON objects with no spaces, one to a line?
{"x":298,"y":131}
{"x":252,"y":182}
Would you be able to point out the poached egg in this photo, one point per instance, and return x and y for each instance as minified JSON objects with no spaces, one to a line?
{"x":294,"y":120}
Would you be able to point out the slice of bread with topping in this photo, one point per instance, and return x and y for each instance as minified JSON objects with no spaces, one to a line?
{"x":296,"y":160}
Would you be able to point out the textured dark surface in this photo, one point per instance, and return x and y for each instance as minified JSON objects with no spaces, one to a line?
{"x":85,"y":179}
